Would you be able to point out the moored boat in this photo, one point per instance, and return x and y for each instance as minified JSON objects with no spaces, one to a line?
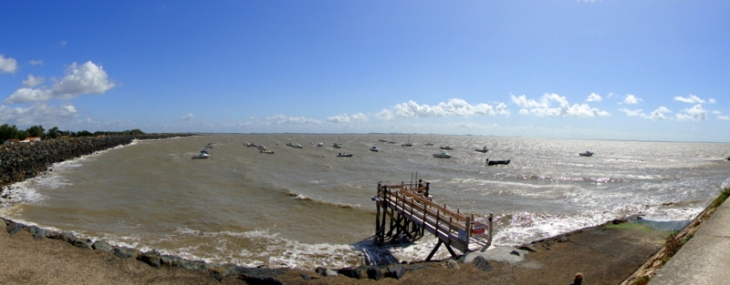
{"x":442,"y":154}
{"x":374,"y":149}
{"x":344,"y":155}
{"x":497,"y":162}
{"x":587,"y":153}
{"x":483,"y":150}
{"x":446,"y":147}
{"x":201,"y":155}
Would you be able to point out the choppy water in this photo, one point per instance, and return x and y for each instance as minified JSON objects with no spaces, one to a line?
{"x":306,"y":207}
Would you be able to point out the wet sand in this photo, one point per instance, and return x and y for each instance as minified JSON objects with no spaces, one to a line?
{"x":605,"y":254}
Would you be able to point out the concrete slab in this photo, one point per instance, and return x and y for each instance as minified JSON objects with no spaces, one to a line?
{"x":703,"y":260}
{"x":717,"y":224}
{"x":506,"y":254}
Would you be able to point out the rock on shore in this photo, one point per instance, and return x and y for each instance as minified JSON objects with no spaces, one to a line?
{"x":26,"y":160}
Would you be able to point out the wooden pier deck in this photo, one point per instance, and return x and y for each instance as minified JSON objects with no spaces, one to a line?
{"x":412,"y":212}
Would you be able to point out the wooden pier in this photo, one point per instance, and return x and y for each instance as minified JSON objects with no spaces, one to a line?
{"x":408,"y":211}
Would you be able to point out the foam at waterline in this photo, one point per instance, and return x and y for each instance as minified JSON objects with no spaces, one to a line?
{"x":302,"y":197}
{"x":24,"y":192}
{"x":275,"y":250}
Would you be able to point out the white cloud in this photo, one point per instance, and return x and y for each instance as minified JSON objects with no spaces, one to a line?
{"x":455,"y":107}
{"x":594,"y":98}
{"x":544,"y":107}
{"x":692,"y":99}
{"x":633,"y":113}
{"x":284,"y":120}
{"x":38,"y":114}
{"x":87,"y":78}
{"x":25,"y":95}
{"x":723,"y":117}
{"x":659,"y":114}
{"x":712,"y":101}
{"x":36,"y":62}
{"x":187,"y":117}
{"x":8,"y":64}
{"x":632,"y":100}
{"x":345,"y":118}
{"x":696,"y":113}
{"x":32,"y":81}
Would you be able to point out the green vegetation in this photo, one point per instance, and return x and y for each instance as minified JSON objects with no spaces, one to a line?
{"x":642,"y":281}
{"x":720,"y":199}
{"x":12,"y":132}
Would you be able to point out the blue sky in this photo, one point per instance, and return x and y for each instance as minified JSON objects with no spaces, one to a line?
{"x":628,"y":70}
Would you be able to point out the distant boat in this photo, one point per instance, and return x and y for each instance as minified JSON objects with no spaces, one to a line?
{"x":374,"y":149}
{"x":201,"y":155}
{"x":408,"y":143}
{"x":344,"y":155}
{"x":336,"y":145}
{"x":382,"y":140}
{"x":483,"y":150}
{"x":320,"y":145}
{"x":446,"y":147}
{"x":294,"y":145}
{"x":267,"y":151}
{"x":497,"y":162}
{"x":442,"y":154}
{"x":587,"y":153}
{"x":248,"y":144}
{"x":429,"y":143}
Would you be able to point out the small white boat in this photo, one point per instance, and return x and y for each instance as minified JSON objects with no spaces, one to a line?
{"x":374,"y":149}
{"x":294,"y":145}
{"x":483,"y":150}
{"x":587,"y":153}
{"x":442,"y":154}
{"x":248,"y":144}
{"x":344,"y":155}
{"x":201,"y":155}
{"x":320,"y":145}
{"x":429,"y":144}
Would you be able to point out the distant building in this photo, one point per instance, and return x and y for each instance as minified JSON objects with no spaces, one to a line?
{"x":31,"y":139}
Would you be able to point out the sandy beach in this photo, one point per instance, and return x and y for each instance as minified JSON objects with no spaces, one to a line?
{"x":605,"y":254}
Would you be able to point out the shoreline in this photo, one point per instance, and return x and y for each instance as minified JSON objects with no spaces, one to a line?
{"x":494,"y":267}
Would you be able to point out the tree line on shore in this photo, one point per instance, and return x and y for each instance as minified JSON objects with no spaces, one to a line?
{"x":12,"y":132}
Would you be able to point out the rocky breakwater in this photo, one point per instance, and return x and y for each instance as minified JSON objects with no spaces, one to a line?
{"x":26,"y":160}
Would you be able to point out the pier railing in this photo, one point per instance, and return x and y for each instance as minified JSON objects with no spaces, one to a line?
{"x":412,"y":212}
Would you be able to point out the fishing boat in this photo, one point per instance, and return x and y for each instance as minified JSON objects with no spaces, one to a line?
{"x":587,"y":153}
{"x":294,"y":145}
{"x":446,"y":147}
{"x":483,"y":150}
{"x":408,"y":143}
{"x":201,"y":155}
{"x":344,"y":155}
{"x":442,"y":154}
{"x":497,"y":162}
{"x":374,"y":149}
